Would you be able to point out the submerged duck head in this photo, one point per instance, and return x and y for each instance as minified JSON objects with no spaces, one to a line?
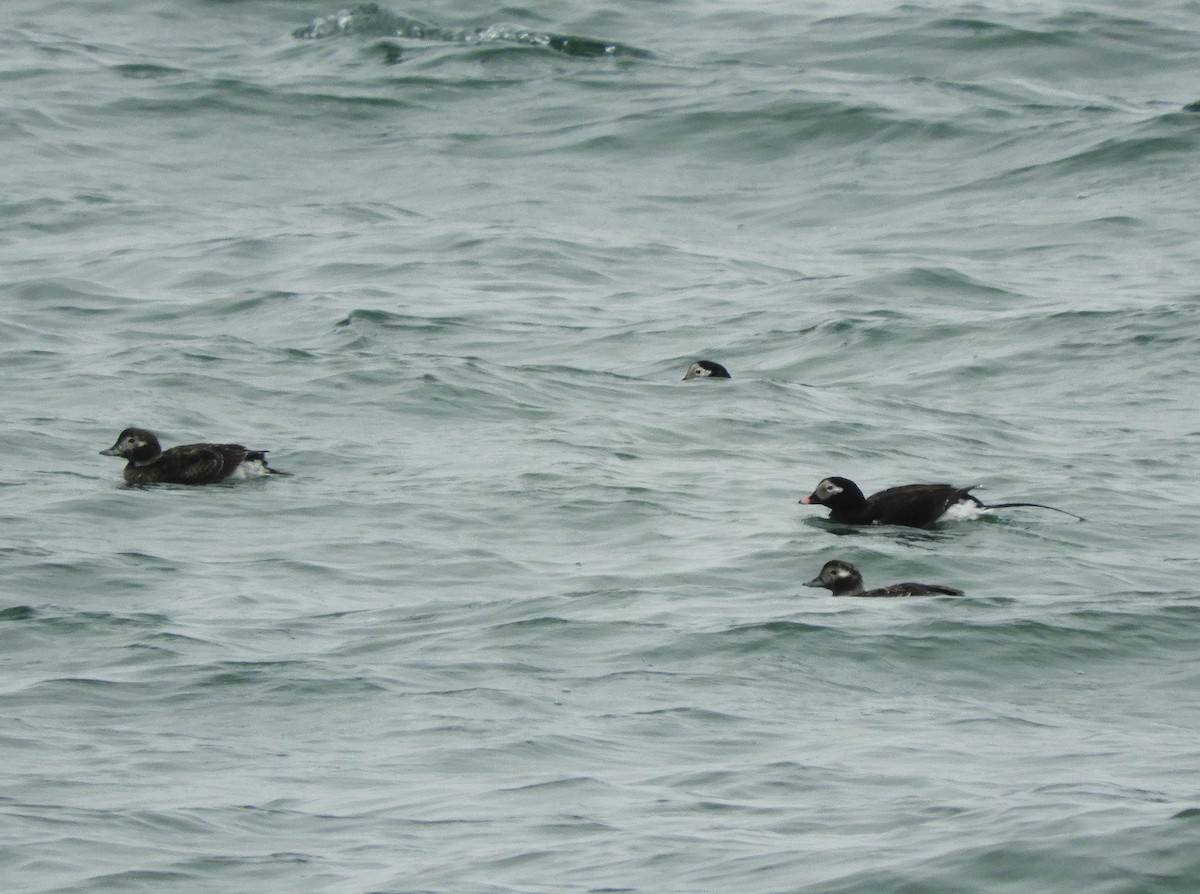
{"x":706,"y":369}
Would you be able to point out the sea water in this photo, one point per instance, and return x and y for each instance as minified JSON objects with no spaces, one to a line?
{"x":527,"y":616}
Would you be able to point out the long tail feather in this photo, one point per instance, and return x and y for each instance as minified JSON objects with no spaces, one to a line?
{"x":1034,"y":506}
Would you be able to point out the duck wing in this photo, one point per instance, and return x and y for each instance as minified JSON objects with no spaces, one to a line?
{"x":200,"y":463}
{"x":912,"y":589}
{"x":914,"y":505}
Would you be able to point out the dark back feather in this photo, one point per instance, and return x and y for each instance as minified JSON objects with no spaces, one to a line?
{"x":912,"y":589}
{"x":913,"y":505}
{"x":191,"y":464}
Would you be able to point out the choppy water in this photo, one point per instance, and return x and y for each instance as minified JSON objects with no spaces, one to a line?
{"x":528,"y":617}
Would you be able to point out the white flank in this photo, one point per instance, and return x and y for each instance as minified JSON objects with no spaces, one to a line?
{"x":250,"y":468}
{"x":963,"y":511}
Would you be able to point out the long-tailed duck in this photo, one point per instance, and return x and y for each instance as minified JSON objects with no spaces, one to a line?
{"x":706,"y":369}
{"x":843,"y":579}
{"x":186,"y":464}
{"x":914,"y":505}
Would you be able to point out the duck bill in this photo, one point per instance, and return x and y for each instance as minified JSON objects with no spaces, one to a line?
{"x":811,"y":500}
{"x":111,"y":451}
{"x":815,"y":582}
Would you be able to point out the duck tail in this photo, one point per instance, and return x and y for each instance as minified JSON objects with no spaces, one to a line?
{"x":1034,"y":506}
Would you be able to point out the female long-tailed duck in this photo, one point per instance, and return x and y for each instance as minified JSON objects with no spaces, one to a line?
{"x":843,"y":579}
{"x":186,"y":464}
{"x":914,"y":505}
{"x":706,"y":369}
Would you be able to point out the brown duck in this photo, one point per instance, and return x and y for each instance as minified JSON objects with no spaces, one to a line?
{"x":843,"y":579}
{"x":148,"y":463}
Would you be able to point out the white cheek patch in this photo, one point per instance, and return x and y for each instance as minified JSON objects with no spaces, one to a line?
{"x":831,"y":490}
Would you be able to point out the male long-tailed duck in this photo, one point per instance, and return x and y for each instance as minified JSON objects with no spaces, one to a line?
{"x":706,"y":369}
{"x":186,"y":464}
{"x":914,"y":505}
{"x":843,"y":579}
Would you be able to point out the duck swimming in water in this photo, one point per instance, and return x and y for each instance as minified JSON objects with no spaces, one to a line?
{"x":914,"y":505}
{"x":843,"y":579}
{"x":186,"y":464}
{"x":706,"y":369}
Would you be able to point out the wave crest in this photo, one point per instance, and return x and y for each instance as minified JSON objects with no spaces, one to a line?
{"x":372,"y":20}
